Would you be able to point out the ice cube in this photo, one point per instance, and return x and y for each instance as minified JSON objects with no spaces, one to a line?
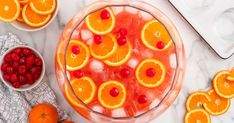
{"x":117,"y":10}
{"x":96,"y":66}
{"x":120,"y":112}
{"x":95,"y":117}
{"x":145,"y":15}
{"x":98,"y":109}
{"x":132,"y":63}
{"x":173,"y":61}
{"x":154,"y":103}
{"x":86,"y":34}
{"x":89,"y":41}
{"x":75,"y":34}
{"x":131,"y":10}
{"x":147,"y":54}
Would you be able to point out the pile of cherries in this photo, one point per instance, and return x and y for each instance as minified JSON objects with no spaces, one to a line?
{"x":21,"y":66}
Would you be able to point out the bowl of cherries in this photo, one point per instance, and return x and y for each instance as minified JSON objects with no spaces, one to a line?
{"x":22,"y":68}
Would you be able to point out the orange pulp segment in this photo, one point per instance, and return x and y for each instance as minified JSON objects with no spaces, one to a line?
{"x":218,"y":105}
{"x":154,"y":80}
{"x":105,"y":49}
{"x":155,"y":36}
{"x":34,"y":19}
{"x":109,"y":101}
{"x":222,"y":86}
{"x":196,"y":100}
{"x":43,"y":7}
{"x":197,"y":116}
{"x":9,"y":10}
{"x":121,"y":55}
{"x":98,"y":25}
{"x":77,"y":60}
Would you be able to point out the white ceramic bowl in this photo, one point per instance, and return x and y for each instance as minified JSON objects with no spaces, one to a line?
{"x":24,"y":27}
{"x":27,"y":86}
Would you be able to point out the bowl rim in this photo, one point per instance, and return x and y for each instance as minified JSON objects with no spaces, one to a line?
{"x":30,"y":86}
{"x":15,"y":23}
{"x":173,"y":92}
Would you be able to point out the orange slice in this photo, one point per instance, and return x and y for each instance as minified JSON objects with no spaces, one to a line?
{"x":98,"y":25}
{"x":105,"y":49}
{"x":20,"y":17}
{"x":196,"y":100}
{"x":84,"y":88}
{"x":222,"y":86}
{"x":155,"y":36}
{"x":197,"y":116}
{"x":109,"y":101}
{"x":33,"y":19}
{"x":121,"y":55}
{"x":150,"y":73}
{"x":43,"y":7}
{"x":77,"y":60}
{"x":218,"y":105}
{"x":23,"y":2}
{"x":231,"y":75}
{"x":60,"y":54}
{"x":9,"y":10}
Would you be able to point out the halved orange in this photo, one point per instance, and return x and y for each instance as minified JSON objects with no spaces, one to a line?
{"x":77,"y":61}
{"x":121,"y":55}
{"x":9,"y":10}
{"x":230,"y":77}
{"x":106,"y":48}
{"x":84,"y":88}
{"x":109,"y":101}
{"x":222,"y":86}
{"x":218,"y":105}
{"x":43,"y":7}
{"x":23,"y":2}
{"x":33,"y":19}
{"x":98,"y":25}
{"x":196,"y":100}
{"x":157,"y":75}
{"x":197,"y":116}
{"x":155,"y":36}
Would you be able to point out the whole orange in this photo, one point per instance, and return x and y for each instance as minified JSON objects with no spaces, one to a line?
{"x":43,"y":113}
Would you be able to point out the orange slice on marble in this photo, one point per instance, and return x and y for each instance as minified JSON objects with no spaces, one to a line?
{"x":218,"y":105}
{"x":222,"y":86}
{"x":196,"y":100}
{"x":197,"y":116}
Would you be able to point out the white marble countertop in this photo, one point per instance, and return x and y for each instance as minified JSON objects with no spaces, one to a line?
{"x":202,"y":62}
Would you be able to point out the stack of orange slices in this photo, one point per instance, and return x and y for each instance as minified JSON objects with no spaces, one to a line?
{"x":214,"y":102}
{"x":34,"y":13}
